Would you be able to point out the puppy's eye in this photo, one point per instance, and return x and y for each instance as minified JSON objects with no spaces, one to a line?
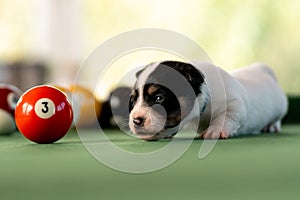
{"x":159,"y":99}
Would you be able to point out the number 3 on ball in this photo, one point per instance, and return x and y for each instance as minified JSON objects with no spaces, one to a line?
{"x":44,"y":108}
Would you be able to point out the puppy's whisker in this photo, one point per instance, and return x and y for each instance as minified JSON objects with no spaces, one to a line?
{"x":124,"y":124}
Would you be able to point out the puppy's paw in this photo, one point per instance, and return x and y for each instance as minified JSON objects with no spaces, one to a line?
{"x":214,"y":132}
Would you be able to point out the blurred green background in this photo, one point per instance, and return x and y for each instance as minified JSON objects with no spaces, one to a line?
{"x":234,"y":33}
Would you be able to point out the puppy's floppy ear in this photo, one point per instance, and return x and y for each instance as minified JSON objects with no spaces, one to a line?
{"x":139,"y":72}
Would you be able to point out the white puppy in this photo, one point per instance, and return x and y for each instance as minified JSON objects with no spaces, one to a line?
{"x":169,"y":94}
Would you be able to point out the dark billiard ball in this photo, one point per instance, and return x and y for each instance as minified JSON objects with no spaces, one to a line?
{"x":115,"y":112}
{"x":9,"y":96}
{"x":43,"y":114}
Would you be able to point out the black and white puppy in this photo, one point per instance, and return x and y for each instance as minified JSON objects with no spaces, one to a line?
{"x":169,"y":94}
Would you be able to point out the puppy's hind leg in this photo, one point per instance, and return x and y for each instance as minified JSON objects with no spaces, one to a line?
{"x":273,"y":127}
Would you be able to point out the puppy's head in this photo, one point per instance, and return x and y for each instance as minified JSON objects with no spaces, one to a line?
{"x":164,"y":94}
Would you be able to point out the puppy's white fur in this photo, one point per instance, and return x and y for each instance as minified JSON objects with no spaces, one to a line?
{"x":252,"y":101}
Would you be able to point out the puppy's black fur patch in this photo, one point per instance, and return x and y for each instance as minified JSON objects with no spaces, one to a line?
{"x":166,"y":98}
{"x":192,"y":75}
{"x":133,"y":98}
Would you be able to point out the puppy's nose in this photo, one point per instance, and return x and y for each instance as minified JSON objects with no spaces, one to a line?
{"x":139,"y":121}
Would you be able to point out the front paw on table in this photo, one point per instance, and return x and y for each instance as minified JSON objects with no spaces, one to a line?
{"x":214,"y":133}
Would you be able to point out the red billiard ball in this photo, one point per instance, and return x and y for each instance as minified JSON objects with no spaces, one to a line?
{"x":44,"y":114}
{"x":9,"y":96}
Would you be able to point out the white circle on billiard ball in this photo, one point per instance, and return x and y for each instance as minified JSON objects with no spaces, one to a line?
{"x":44,"y":108}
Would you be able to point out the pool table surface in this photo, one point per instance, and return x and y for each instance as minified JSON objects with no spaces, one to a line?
{"x":265,"y":166}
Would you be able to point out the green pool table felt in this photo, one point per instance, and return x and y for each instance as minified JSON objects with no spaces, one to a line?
{"x":266,"y":166}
